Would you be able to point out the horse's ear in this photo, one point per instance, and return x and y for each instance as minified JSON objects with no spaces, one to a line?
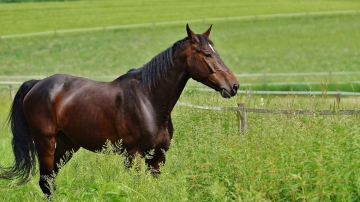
{"x":207,"y":33}
{"x":191,"y":35}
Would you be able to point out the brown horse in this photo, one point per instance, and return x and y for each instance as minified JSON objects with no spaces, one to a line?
{"x":62,"y":113}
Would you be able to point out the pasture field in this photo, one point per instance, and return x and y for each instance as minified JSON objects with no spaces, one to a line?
{"x":313,"y":44}
{"x":37,"y":17}
{"x":281,"y":158}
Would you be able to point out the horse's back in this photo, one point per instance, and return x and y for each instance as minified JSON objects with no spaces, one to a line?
{"x":56,"y":89}
{"x":88,"y":112}
{"x":65,"y":102}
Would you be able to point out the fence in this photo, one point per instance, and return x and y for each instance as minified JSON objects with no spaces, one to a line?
{"x":204,"y":20}
{"x":242,"y":111}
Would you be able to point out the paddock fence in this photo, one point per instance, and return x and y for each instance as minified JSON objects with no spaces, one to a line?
{"x":241,"y":112}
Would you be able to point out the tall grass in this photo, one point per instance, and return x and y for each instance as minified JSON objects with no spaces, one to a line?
{"x":281,"y":158}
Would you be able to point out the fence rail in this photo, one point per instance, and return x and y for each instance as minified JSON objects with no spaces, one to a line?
{"x":204,"y":20}
{"x":273,"y":111}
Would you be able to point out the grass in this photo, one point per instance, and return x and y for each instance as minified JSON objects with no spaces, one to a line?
{"x":36,"y":17}
{"x":281,"y":158}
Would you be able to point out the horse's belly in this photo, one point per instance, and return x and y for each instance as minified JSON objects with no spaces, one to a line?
{"x":89,"y":134}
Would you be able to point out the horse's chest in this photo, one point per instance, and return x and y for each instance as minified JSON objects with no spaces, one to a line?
{"x":143,"y":126}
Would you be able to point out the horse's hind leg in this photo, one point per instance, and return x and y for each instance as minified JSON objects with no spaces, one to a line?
{"x":51,"y":151}
{"x":45,"y":147}
{"x":65,"y":148}
{"x":43,"y":132}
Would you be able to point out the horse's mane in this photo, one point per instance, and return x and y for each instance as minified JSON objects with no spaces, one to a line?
{"x":155,"y":70}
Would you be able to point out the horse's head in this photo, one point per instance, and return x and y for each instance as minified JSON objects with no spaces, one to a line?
{"x":205,"y":65}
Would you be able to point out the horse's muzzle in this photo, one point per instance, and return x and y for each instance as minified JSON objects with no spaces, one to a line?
{"x":226,"y":94}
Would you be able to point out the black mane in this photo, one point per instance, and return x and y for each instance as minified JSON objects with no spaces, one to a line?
{"x":155,"y":70}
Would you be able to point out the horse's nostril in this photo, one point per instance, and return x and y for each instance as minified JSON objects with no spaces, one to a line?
{"x":236,"y":87}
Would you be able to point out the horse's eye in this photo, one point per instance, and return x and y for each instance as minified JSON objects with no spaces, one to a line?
{"x":208,"y":55}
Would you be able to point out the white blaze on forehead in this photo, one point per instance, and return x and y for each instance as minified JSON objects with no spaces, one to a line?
{"x":212,"y":48}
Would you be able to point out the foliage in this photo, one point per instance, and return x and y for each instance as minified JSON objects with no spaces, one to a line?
{"x":281,"y":158}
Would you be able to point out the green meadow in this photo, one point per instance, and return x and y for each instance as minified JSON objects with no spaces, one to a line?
{"x":280,"y":158}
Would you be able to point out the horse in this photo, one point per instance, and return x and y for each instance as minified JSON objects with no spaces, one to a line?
{"x":62,"y":113}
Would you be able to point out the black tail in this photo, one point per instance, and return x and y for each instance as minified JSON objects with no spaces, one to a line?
{"x":22,"y":143}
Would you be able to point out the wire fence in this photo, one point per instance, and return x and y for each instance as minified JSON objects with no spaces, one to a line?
{"x":180,"y":22}
{"x":241,"y":112}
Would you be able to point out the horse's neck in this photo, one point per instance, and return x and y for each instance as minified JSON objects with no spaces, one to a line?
{"x":169,"y":89}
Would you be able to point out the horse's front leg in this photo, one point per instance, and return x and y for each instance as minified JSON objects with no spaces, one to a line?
{"x":154,"y":161}
{"x":157,"y":154}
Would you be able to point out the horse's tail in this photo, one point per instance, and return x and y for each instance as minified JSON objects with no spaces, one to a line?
{"x":22,"y":144}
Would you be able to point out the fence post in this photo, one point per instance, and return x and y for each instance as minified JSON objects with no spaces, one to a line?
{"x":338,"y":97}
{"x":12,"y":93}
{"x":242,"y":118}
{"x":330,"y":77}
